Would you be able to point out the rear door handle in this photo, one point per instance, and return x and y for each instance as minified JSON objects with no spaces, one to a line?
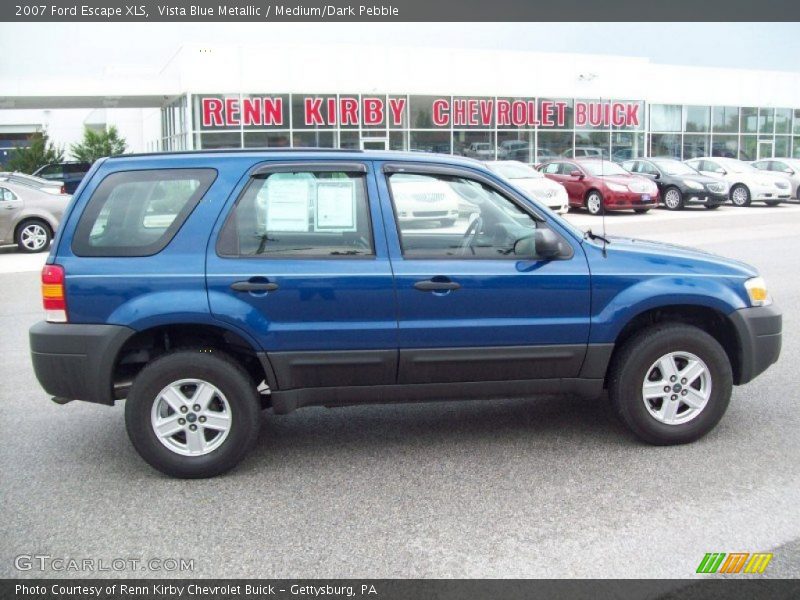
{"x":250,"y":286}
{"x":429,"y":285}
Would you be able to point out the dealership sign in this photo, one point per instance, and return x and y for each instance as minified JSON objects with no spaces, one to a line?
{"x":268,"y":111}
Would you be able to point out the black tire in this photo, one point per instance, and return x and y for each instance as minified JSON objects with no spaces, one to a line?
{"x":632,"y":363}
{"x":712,"y":206}
{"x":213,"y":367}
{"x":772,"y":202}
{"x":641,"y":211}
{"x":744,"y":196}
{"x":593,"y":207}
{"x":33,"y":223}
{"x":447,"y":222}
{"x":671,"y":191}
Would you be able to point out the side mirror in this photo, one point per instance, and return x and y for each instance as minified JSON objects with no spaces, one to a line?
{"x":656,"y":175}
{"x":576,"y":173}
{"x":543,"y":244}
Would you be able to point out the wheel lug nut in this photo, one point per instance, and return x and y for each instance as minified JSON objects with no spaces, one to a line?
{"x":202,"y":419}
{"x":184,"y":410}
{"x":193,"y":427}
{"x":673,"y":378}
{"x":683,"y":381}
{"x":181,"y":421}
{"x":667,"y":388}
{"x":684,"y":392}
{"x":196,"y":408}
{"x":674,"y":396}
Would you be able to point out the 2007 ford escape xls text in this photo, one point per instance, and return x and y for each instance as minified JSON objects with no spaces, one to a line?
{"x":204,"y":287}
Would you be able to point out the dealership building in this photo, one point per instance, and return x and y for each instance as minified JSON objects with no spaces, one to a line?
{"x":486,"y":104}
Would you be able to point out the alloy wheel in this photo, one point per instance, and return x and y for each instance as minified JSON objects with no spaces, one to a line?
{"x":676,"y":388}
{"x":672,"y":199}
{"x":33,"y":237}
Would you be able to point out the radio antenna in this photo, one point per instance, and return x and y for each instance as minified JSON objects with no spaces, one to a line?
{"x":603,"y":203}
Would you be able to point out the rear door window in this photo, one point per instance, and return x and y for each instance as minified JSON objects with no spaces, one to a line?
{"x":137,"y":213}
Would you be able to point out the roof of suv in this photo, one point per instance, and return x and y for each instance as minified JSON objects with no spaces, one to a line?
{"x":312,"y":153}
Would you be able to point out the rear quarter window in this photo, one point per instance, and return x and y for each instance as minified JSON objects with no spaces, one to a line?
{"x":137,"y":213}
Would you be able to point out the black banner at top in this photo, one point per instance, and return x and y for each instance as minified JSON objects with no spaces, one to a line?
{"x":398,"y":10}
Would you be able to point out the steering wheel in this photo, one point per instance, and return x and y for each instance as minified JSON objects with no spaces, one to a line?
{"x":473,"y":229}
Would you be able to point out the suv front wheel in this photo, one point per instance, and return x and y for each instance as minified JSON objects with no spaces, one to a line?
{"x":193,"y":413}
{"x":671,"y":384}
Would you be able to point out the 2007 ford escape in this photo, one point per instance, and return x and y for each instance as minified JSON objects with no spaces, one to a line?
{"x":204,"y":287}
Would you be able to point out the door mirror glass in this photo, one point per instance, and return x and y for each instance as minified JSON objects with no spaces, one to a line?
{"x":576,"y":173}
{"x":544,"y":244}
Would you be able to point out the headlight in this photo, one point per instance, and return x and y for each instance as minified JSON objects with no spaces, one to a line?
{"x":616,"y":187}
{"x":757,"y":290}
{"x":695,"y":185}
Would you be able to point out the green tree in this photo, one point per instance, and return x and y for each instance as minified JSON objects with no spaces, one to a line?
{"x":40,"y":152}
{"x":97,"y":144}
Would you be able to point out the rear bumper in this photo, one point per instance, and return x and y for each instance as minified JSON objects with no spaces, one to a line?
{"x":759,"y":332}
{"x":76,"y":362}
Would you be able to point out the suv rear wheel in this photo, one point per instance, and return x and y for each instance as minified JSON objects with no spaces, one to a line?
{"x":671,"y":384}
{"x":33,"y":236}
{"x":193,"y":413}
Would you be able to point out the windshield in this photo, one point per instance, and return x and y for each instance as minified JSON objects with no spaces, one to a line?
{"x":599,"y":168}
{"x":512,"y":170}
{"x":735,"y":166}
{"x":674,"y":167}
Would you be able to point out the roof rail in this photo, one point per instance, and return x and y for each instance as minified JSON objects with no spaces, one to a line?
{"x":240,"y":151}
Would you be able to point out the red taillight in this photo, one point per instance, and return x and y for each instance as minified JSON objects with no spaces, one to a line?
{"x":53,"y":297}
{"x":63,"y":189}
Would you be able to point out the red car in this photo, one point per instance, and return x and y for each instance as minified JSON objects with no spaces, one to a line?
{"x":600,"y":185}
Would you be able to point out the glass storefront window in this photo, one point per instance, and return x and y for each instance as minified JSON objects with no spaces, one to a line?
{"x":640,"y":113}
{"x":317,"y":112}
{"x":211,"y":112}
{"x":398,"y":140}
{"x":725,"y":146}
{"x":266,"y":139}
{"x":725,"y":119}
{"x":667,"y":145}
{"x":430,"y":141}
{"x":349,"y":139}
{"x":264,"y":111}
{"x":398,"y":105}
{"x":783,"y":120}
{"x":514,"y":113}
{"x":695,"y":145}
{"x":548,"y":108}
{"x":475,"y":144}
{"x":665,"y":117}
{"x":213,"y":141}
{"x":781,"y":145}
{"x":552,"y":145}
{"x":749,"y":148}
{"x":796,"y":146}
{"x":422,"y":110}
{"x":697,"y":118}
{"x":625,"y":146}
{"x":313,"y":139}
{"x":749,"y":120}
{"x":515,"y":145}
{"x":591,"y":144}
{"x":766,"y":120}
{"x":797,"y":120}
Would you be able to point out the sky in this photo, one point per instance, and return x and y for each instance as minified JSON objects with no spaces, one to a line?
{"x":86,"y":49}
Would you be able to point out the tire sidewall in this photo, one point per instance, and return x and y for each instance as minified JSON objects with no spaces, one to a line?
{"x":655,"y":343}
{"x":599,"y":196}
{"x":48,"y":232}
{"x":746,"y":191}
{"x":680,"y":198}
{"x":232,"y":382}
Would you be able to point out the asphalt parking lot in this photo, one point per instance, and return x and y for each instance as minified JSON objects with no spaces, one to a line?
{"x":540,"y":487}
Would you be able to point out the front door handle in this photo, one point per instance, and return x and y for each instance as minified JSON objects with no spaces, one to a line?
{"x":430,"y":285}
{"x":251,"y":286}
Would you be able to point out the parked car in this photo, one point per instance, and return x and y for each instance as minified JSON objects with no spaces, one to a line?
{"x":514,"y":150}
{"x":532,"y":182}
{"x":202,"y":321}
{"x":601,"y":185}
{"x":747,"y":184}
{"x":480,"y":150}
{"x":421,"y":199}
{"x":679,"y":184}
{"x":786,"y":167}
{"x":29,"y":216}
{"x":51,"y":187}
{"x":585,"y":152}
{"x":70,"y":173}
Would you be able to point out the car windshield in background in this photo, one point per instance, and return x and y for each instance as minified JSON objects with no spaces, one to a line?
{"x":735,"y":166}
{"x":674,"y":167}
{"x":600,"y":168}
{"x":516,"y":171}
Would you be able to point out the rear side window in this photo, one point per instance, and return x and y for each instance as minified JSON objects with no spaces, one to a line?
{"x":300,"y":214}
{"x":137,"y":213}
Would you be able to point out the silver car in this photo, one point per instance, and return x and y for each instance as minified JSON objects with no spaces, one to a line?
{"x":788,"y":167}
{"x":29,"y":216}
{"x":46,"y":185}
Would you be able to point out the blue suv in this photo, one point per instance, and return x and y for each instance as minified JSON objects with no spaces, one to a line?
{"x":204,"y":287}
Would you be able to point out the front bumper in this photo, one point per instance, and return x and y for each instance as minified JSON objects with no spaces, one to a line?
{"x":628,"y":200}
{"x":761,"y":193}
{"x":759,"y":331}
{"x":76,"y":362}
{"x":704,"y":197}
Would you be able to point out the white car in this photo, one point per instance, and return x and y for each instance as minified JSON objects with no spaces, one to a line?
{"x":786,"y":167}
{"x":747,"y":183}
{"x":419,"y":198}
{"x":533,"y":183}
